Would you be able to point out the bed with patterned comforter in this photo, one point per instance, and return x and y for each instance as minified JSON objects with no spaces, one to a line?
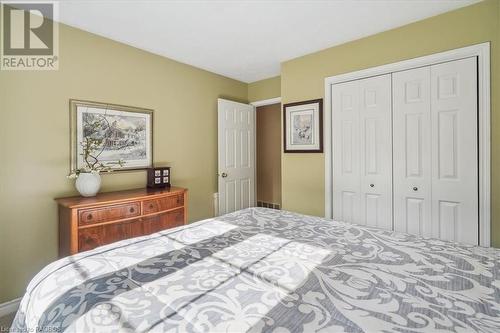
{"x":264,"y":270}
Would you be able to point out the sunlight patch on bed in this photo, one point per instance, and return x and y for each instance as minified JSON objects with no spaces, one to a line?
{"x":199,"y":233}
{"x":262,"y":269}
{"x":280,"y":261}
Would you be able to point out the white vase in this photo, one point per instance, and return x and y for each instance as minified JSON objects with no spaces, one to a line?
{"x":88,"y":184}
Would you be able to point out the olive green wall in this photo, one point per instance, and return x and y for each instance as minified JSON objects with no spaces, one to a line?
{"x":303,"y":79}
{"x":264,"y":89}
{"x":34,"y":138}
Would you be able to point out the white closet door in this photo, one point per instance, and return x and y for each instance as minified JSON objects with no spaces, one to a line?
{"x":362,"y":151}
{"x":346,"y":171}
{"x":427,"y":117}
{"x":376,"y":151}
{"x":454,"y":151}
{"x":412,"y":151}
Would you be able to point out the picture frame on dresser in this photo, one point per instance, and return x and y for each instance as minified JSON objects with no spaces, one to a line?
{"x":158,"y":177}
{"x":121,"y":133}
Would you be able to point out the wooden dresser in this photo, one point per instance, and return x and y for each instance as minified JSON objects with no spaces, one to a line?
{"x":85,"y":223}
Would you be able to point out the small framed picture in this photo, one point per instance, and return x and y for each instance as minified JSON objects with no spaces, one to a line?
{"x":303,"y":127}
{"x":159,"y":177}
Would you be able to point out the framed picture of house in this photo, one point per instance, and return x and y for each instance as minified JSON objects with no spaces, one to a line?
{"x":117,"y":133}
{"x":303,"y":127}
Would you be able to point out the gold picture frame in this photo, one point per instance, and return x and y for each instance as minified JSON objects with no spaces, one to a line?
{"x":128,"y":134}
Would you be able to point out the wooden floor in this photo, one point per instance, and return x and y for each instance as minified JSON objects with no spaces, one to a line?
{"x":5,"y":322}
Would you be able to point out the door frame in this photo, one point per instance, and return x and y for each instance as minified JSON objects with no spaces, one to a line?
{"x":264,"y":102}
{"x":256,"y":104}
{"x":482,"y":52}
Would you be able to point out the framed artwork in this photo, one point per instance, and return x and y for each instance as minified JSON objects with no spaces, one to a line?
{"x":122,"y":133}
{"x":303,"y":127}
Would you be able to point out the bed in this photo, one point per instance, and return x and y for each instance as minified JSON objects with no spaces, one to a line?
{"x":264,"y":270}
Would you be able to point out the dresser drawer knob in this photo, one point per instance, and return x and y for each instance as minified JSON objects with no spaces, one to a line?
{"x":132,"y":209}
{"x":151,"y":206}
{"x":89,"y":217}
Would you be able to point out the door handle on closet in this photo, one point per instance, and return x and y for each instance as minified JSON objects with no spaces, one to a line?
{"x":372,"y":185}
{"x":224,"y":175}
{"x":415,"y":188}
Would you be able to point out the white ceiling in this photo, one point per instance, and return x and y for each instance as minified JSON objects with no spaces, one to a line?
{"x":244,"y":40}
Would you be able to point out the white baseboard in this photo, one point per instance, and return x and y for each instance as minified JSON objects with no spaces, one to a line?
{"x":216,"y":204}
{"x":9,"y":307}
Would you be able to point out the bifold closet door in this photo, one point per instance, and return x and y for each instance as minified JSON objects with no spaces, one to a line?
{"x":362,"y":145}
{"x":346,"y":152}
{"x":435,"y":151}
{"x":455,"y":198}
{"x":412,"y":151}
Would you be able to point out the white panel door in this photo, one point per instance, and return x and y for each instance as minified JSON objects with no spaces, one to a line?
{"x":362,"y":151}
{"x":346,"y":171}
{"x":375,"y":111}
{"x":236,"y":146}
{"x":412,"y":151}
{"x":454,"y":138}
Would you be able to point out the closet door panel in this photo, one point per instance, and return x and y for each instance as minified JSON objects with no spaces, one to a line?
{"x":454,"y":151}
{"x":345,"y":124}
{"x":376,"y":151}
{"x":412,"y":151}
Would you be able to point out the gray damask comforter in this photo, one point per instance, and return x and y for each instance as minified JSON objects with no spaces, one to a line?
{"x":265,"y":270}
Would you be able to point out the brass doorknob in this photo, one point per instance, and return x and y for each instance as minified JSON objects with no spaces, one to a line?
{"x":224,"y":175}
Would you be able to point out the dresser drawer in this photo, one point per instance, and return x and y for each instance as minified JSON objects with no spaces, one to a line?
{"x":158,"y":222}
{"x":109,"y":213}
{"x":161,"y":204}
{"x":92,"y":237}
